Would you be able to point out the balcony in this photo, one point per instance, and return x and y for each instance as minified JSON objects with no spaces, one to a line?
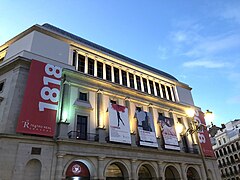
{"x":83,"y":136}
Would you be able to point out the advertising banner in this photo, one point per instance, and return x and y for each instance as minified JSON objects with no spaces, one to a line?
{"x":146,"y":129}
{"x":203,"y":135}
{"x":40,"y":101}
{"x":119,"y":128}
{"x":168,"y":133}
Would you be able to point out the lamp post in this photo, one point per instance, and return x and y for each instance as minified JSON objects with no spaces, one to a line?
{"x":194,"y":130}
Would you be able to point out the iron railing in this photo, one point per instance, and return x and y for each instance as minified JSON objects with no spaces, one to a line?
{"x":83,"y":136}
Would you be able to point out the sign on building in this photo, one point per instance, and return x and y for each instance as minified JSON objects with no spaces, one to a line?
{"x":40,"y":101}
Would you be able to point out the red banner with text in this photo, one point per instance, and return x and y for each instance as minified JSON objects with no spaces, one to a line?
{"x":203,"y":135}
{"x":40,"y":101}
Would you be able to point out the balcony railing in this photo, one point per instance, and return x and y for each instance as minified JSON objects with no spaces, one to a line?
{"x":83,"y":136}
{"x":190,"y":150}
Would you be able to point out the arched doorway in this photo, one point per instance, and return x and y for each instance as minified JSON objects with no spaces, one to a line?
{"x":77,"y":171}
{"x":171,"y":173}
{"x":144,"y":173}
{"x":192,"y":174}
{"x":116,"y":171}
{"x":32,"y":170}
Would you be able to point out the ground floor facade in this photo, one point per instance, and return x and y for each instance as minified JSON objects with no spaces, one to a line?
{"x":31,"y":157}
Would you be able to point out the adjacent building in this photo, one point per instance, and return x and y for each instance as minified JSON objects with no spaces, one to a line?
{"x":226,"y":145}
{"x":71,"y":109}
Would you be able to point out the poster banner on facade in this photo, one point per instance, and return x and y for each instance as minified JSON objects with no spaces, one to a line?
{"x":119,"y":128}
{"x":169,"y":134}
{"x":146,"y":129}
{"x":40,"y":101}
{"x":203,"y":134}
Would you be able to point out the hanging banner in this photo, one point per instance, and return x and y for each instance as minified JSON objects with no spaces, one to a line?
{"x":146,"y":129}
{"x":40,"y":101}
{"x":119,"y":128}
{"x":168,"y":133}
{"x":203,"y":135}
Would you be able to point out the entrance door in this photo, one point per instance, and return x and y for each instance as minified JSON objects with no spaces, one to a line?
{"x":81,"y":127}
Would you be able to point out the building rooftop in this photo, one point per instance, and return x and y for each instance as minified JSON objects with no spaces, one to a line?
{"x":103,"y":49}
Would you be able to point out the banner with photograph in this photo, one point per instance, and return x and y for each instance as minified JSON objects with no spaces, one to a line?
{"x":169,"y":134}
{"x":119,"y":128}
{"x":146,"y":129}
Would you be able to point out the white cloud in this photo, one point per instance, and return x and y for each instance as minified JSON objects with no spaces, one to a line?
{"x":232,"y":12}
{"x":163,"y":52}
{"x":234,"y":100}
{"x":205,"y":64}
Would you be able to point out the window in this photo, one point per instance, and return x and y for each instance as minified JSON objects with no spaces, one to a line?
{"x":36,"y":151}
{"x":83,"y":96}
{"x":81,"y":127}
{"x":163,"y":91}
{"x":158,"y":89}
{"x":224,"y":140}
{"x":138,"y":83}
{"x":229,"y":149}
{"x":225,"y":151}
{"x":219,"y":142}
{"x":169,"y":93}
{"x":113,"y":102}
{"x":1,"y":86}
{"x":116,"y":75}
{"x":90,"y":66}
{"x":138,"y":109}
{"x":233,"y":147}
{"x":151,"y":87}
{"x":74,"y":58}
{"x":160,"y":116}
{"x":99,"y":69}
{"x":145,"y":85}
{"x":131,"y":80}
{"x":108,"y":73}
{"x":81,"y":63}
{"x":124,"y":78}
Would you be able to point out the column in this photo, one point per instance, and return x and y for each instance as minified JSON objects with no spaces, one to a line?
{"x":160,"y":170}
{"x":166,"y":92}
{"x":172,"y":94}
{"x":104,"y":70}
{"x":76,"y":61}
{"x":113,"y":78}
{"x":62,"y":125}
{"x":154,"y":88}
{"x":183,"y":167}
{"x":128,"y":81}
{"x":59,"y":166}
{"x":120,"y":76}
{"x":142,"y":87}
{"x":148,"y":86}
{"x":101,"y":168}
{"x":100,"y":117}
{"x":95,"y":67}
{"x":135,"y":81}
{"x":86,"y":65}
{"x":161,"y":92}
{"x":134,"y":169}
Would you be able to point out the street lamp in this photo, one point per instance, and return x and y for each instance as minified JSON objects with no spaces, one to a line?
{"x":193,"y":129}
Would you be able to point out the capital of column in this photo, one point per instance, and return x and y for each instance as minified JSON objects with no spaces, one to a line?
{"x":60,"y":155}
{"x":100,"y":91}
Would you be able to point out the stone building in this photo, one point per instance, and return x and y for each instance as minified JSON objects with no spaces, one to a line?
{"x":71,"y":109}
{"x":226,"y":145}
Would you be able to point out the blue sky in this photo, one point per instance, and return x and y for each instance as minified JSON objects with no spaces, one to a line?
{"x":196,"y":41}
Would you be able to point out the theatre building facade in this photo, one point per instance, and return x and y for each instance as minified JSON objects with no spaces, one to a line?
{"x":71,"y":109}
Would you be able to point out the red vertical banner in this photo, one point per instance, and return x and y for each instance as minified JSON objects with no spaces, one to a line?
{"x":203,"y":135}
{"x":40,"y":101}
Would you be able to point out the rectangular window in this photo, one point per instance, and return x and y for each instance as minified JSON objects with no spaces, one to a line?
{"x":90,"y":66}
{"x":138,"y":109}
{"x":131,"y":80}
{"x":83,"y":96}
{"x":169,"y":93}
{"x":138,"y":83}
{"x":151,"y":87}
{"x":36,"y":151}
{"x":108,"y":73}
{"x":113,"y":102}
{"x":99,"y":69}
{"x":158,"y":89}
{"x":145,"y":85}
{"x":81,"y":63}
{"x":160,"y":116}
{"x":124,"y":78}
{"x":74,"y":58}
{"x":1,"y":86}
{"x":81,"y":127}
{"x":116,"y":75}
{"x":163,"y":91}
